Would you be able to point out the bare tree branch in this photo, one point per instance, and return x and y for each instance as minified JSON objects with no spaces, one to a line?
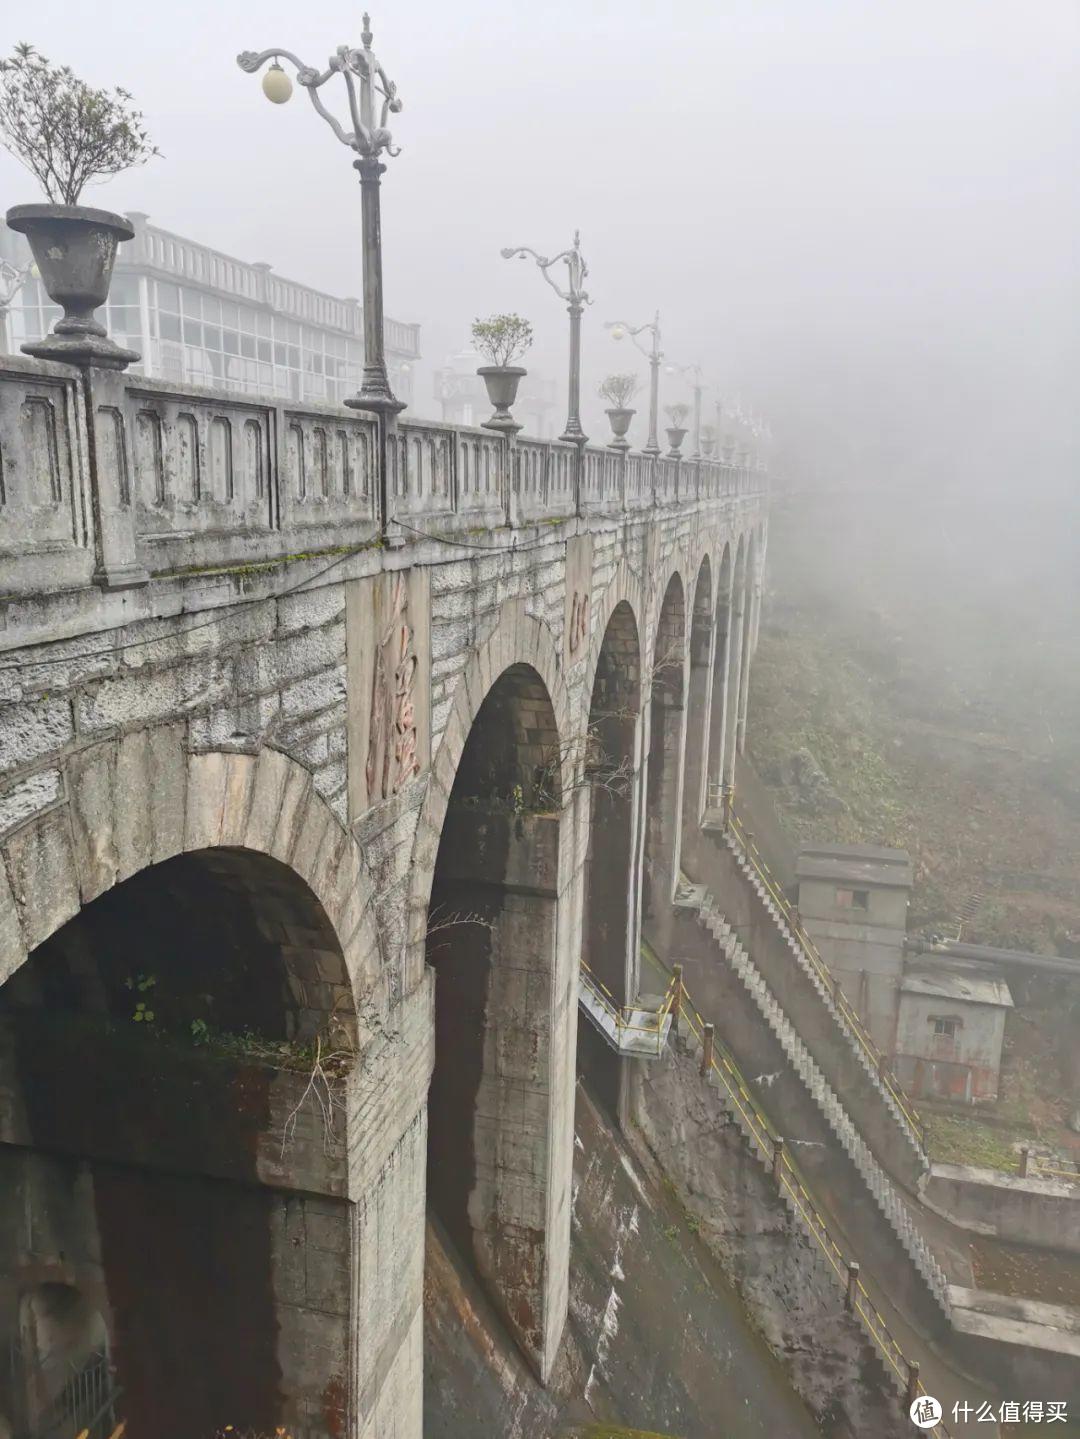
{"x":62,"y":130}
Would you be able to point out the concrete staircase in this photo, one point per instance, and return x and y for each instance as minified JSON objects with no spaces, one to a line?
{"x":638,"y":1031}
{"x":874,"y":1177}
{"x":909,"y":1138}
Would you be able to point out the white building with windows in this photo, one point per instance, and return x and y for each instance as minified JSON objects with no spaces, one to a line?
{"x":199,"y":317}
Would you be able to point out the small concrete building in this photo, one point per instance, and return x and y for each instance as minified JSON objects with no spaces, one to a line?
{"x":950,"y":1030}
{"x":853,"y":900}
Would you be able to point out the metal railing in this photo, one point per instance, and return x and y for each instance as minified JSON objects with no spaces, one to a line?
{"x":1030,"y":1166}
{"x":745,"y":840}
{"x":755,"y":1125}
{"x":629,"y":1020}
{"x":82,"y":1397}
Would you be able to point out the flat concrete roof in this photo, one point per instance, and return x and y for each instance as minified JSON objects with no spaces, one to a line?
{"x":868,"y":865}
{"x":966,"y":988}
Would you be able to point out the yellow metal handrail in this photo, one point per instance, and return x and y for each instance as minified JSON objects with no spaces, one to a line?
{"x":654,"y":1021}
{"x":1041,"y":1169}
{"x":758,"y":863}
{"x":1035,"y":1169}
{"x":791,"y":1182}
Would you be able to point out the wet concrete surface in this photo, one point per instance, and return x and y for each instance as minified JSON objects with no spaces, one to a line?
{"x":657,"y":1339}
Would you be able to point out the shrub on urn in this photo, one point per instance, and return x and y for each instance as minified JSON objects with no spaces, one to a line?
{"x":68,"y":135}
{"x":503,"y":339}
{"x":619,"y":390}
{"x":677,"y":431}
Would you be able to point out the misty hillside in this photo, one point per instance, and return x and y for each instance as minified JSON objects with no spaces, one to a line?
{"x":920,"y":656}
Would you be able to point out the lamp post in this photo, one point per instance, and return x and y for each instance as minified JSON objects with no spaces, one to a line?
{"x":694,"y":372}
{"x":619,"y":330}
{"x":718,"y":410}
{"x":576,"y":299}
{"x":366,"y":84}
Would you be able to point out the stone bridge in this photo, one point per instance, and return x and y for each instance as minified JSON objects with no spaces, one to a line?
{"x":329,"y":747}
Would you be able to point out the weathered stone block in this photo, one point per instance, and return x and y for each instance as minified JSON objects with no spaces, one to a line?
{"x":205,"y":800}
{"x":168,"y":790}
{"x":143,"y":698}
{"x":32,"y":729}
{"x":44,"y":880}
{"x":91,"y":780}
{"x":29,"y":796}
{"x":12,"y":949}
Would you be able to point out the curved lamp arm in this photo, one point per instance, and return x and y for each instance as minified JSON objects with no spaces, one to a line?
{"x":12,"y":279}
{"x":694,"y":371}
{"x":653,"y":326}
{"x":575,"y":264}
{"x":366,"y":137}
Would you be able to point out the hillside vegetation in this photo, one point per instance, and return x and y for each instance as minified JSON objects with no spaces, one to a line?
{"x":917,"y":684}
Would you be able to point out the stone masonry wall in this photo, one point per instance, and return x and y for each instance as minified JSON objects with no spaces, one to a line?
{"x":240,"y":706}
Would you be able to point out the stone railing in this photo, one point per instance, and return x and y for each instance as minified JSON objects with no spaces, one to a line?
{"x":110,"y":479}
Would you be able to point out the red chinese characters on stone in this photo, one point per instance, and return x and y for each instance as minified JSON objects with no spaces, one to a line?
{"x":393,"y":756}
{"x":579,"y":622}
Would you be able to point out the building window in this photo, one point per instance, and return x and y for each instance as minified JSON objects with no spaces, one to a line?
{"x":944,"y":1028}
{"x":853,"y":899}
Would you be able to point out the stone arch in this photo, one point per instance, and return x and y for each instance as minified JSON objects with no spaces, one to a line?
{"x":609,"y":927}
{"x":747,"y":598}
{"x":667,"y":700}
{"x":701,"y":636}
{"x":153,"y":1164}
{"x":517,"y":638}
{"x":720,"y":678}
{"x":493,"y":912}
{"x":736,"y":662}
{"x":676,"y":570}
{"x":143,"y":799}
{"x":623,"y":589}
{"x":761,"y":539}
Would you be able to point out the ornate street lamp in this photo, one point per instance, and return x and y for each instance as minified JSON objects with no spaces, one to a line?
{"x":619,"y":330}
{"x":718,"y":410}
{"x":369,"y":140}
{"x":576,"y":299}
{"x":694,"y":372}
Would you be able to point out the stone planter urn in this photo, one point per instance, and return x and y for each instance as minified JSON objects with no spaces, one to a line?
{"x":502,"y":386}
{"x":74,"y":248}
{"x":620,"y":423}
{"x":708,"y":444}
{"x":675,"y":438}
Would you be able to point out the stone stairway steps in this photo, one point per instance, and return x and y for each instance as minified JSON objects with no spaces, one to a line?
{"x":686,"y":1040}
{"x":828,"y":1102}
{"x":899,"y":1118}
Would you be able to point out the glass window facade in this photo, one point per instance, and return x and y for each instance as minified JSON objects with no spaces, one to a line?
{"x":189,"y":336}
{"x":205,"y":340}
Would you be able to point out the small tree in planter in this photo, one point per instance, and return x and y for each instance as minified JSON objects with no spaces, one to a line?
{"x":677,"y":432}
{"x":619,"y":390}
{"x":68,"y":135}
{"x":502,"y":339}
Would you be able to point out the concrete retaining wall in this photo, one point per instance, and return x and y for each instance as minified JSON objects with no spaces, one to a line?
{"x":1043,"y":1212}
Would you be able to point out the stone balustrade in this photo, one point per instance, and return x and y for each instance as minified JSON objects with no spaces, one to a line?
{"x":110,"y":479}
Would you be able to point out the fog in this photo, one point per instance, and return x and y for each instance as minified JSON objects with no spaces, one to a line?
{"x":860,"y":219}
